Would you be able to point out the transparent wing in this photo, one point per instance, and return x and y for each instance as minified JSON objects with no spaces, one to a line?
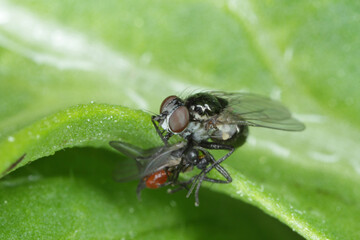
{"x":128,"y":169}
{"x":132,"y":151}
{"x":146,"y":162}
{"x":255,"y":110}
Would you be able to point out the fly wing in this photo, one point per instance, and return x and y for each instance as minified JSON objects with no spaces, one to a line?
{"x":145,"y":162}
{"x":255,"y":110}
{"x":130,"y":168}
{"x":166,"y":157}
{"x":132,"y":151}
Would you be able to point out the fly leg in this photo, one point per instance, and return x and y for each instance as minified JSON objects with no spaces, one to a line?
{"x":202,"y":176}
{"x":223,"y":172}
{"x":197,"y":180}
{"x":182,"y":185}
{"x":175,"y":177}
{"x":163,"y":138}
{"x":212,"y":180}
{"x":219,"y":168}
{"x":139,"y":188}
{"x":217,"y":146}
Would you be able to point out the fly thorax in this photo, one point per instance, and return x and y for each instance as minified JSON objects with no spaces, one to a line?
{"x":197,"y":132}
{"x":197,"y":116}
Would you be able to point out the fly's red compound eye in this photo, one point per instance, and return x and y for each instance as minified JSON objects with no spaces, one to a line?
{"x":179,"y":119}
{"x":156,"y":179}
{"x":166,"y":102}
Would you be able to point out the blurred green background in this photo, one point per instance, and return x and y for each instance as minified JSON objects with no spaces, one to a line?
{"x":55,"y":55}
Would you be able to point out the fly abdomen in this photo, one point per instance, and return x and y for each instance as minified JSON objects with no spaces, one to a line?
{"x":230,"y":134}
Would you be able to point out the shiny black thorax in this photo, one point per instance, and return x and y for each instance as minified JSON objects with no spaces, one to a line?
{"x":206,"y":108}
{"x":204,"y":105}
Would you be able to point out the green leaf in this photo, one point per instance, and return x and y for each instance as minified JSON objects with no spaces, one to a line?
{"x":65,"y":67}
{"x":84,"y":125}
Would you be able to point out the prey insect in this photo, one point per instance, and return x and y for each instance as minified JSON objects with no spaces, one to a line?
{"x":220,"y":120}
{"x":161,"y":166}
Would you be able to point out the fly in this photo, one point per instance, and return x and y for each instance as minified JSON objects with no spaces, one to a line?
{"x":221,"y":116}
{"x":161,"y":166}
{"x":220,"y":120}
